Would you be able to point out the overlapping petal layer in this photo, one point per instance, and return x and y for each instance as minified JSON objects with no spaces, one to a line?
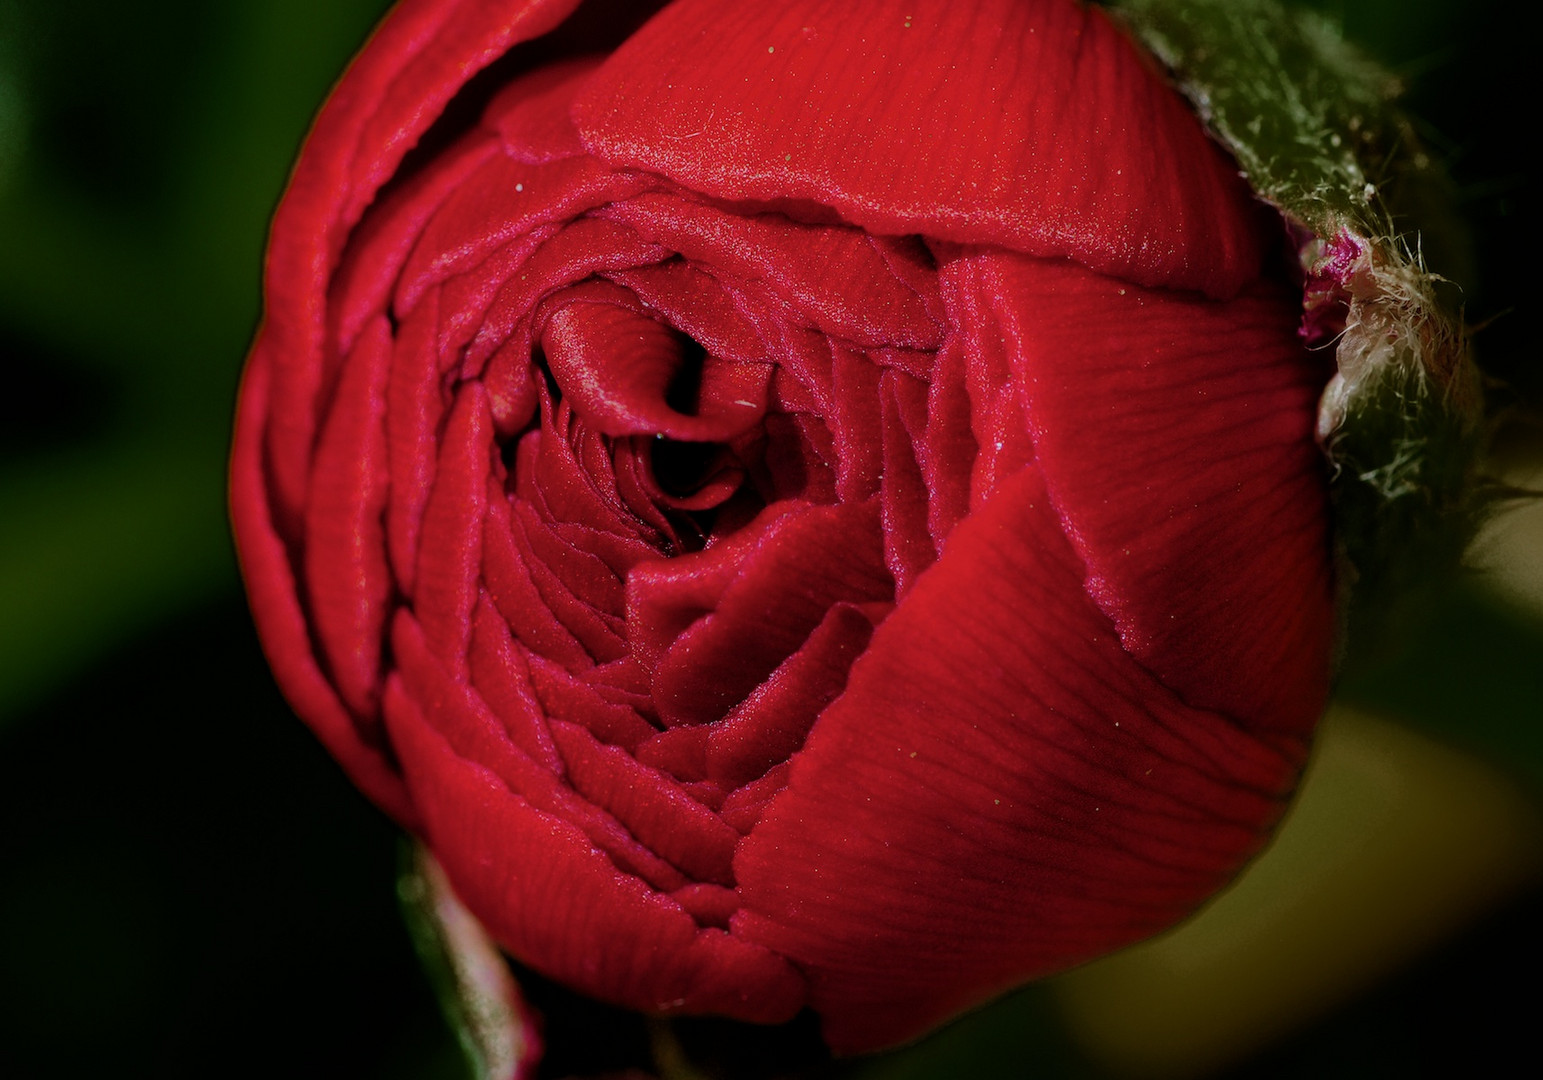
{"x":1001,"y":791}
{"x":1033,"y":126}
{"x":859,"y":552}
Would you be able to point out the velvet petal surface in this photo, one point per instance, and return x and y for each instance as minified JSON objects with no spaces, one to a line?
{"x":390,"y":95}
{"x":813,"y":506}
{"x":1000,"y":791}
{"x":915,"y":119}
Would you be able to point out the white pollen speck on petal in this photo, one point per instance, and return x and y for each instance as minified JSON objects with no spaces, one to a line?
{"x":519,"y":187}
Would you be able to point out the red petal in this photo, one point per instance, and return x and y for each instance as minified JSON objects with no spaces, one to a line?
{"x":347,"y":580}
{"x":505,"y":203}
{"x":856,"y":422}
{"x":652,"y":805}
{"x":581,"y":249}
{"x":509,"y":582}
{"x":474,"y":733}
{"x":744,"y":806}
{"x":1001,"y":792}
{"x":502,"y":679}
{"x":836,"y":279}
{"x":802,"y":563}
{"x":974,"y":360}
{"x":583,"y":575}
{"x":366,"y":278}
{"x":414,"y":408}
{"x":556,"y":902}
{"x":565,"y":697}
{"x":697,"y":305}
{"x":559,"y":585}
{"x":450,"y":556}
{"x":616,"y":367}
{"x":1176,"y":438}
{"x":710,"y":905}
{"x":282,"y":626}
{"x":908,"y":548}
{"x":531,"y":113}
{"x":949,"y":449}
{"x":679,"y":751}
{"x":773,"y":720}
{"x":1031,"y":124}
{"x":417,"y":61}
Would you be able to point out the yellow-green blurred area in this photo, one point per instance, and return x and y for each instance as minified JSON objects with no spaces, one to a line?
{"x":190,"y":887}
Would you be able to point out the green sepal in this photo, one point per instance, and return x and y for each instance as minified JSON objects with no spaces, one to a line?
{"x":1315,"y":131}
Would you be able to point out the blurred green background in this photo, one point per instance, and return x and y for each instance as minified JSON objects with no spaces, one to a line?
{"x":190,"y":886}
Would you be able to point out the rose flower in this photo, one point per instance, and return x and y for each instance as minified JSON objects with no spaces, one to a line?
{"x":811,"y":505}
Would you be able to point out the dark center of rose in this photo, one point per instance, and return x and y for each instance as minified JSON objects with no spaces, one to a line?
{"x":682,"y":468}
{"x":689,"y":424}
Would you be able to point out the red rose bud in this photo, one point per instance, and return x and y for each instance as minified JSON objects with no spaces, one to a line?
{"x":815,"y":508}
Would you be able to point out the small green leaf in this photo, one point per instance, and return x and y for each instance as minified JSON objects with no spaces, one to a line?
{"x":470,"y":976}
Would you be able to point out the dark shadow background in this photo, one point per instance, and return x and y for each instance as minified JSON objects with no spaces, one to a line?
{"x":188,"y":886}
